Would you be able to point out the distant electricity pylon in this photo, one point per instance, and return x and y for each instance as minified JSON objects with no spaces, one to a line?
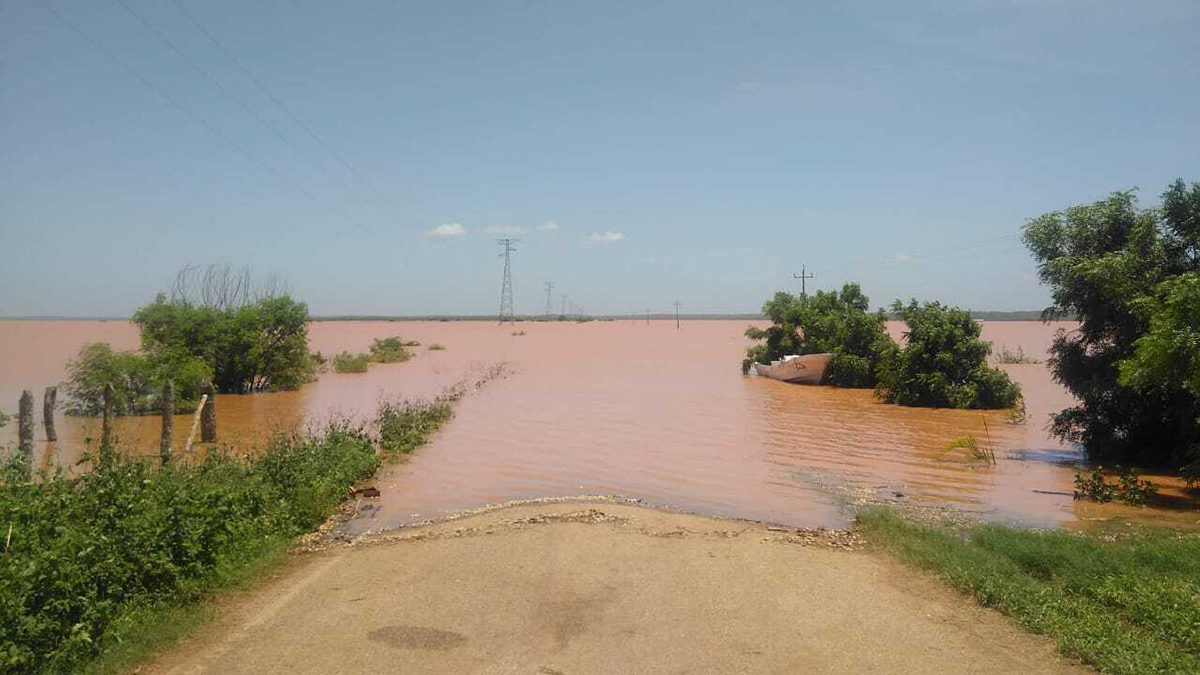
{"x":563,"y":313}
{"x":549,"y":292}
{"x":677,"y":303}
{"x":802,"y":276}
{"x":506,"y":292}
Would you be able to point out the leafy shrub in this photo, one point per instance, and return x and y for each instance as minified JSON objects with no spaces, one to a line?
{"x":345,"y":362}
{"x":88,"y":551}
{"x":406,"y":425}
{"x":943,"y":363}
{"x":836,"y":322}
{"x":435,"y":347}
{"x":1128,"y":488}
{"x":389,"y":350}
{"x":137,"y":381}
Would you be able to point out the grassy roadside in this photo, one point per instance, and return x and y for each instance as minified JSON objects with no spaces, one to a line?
{"x":100,"y":571}
{"x":1125,"y":603}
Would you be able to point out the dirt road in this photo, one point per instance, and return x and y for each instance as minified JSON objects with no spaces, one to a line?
{"x":605,"y":588}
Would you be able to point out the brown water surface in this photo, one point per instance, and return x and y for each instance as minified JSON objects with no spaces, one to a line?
{"x":625,"y":408}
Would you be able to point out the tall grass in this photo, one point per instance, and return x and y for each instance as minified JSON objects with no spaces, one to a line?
{"x":1124,"y":604}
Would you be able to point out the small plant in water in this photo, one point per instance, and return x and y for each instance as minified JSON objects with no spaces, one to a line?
{"x":435,"y":347}
{"x":1006,"y":355}
{"x":389,"y":350}
{"x":985,"y":452}
{"x":1128,"y":489}
{"x":518,"y":333}
{"x":345,"y":362}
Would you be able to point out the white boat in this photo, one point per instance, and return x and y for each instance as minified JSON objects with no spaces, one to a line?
{"x":796,"y":368}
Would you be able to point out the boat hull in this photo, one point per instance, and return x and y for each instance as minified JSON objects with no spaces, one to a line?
{"x":804,"y":369}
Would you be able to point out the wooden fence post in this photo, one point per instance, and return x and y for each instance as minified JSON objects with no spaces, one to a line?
{"x":106,"y":422}
{"x":49,"y":402}
{"x":208,"y":416}
{"x":168,"y":421}
{"x":25,"y":427}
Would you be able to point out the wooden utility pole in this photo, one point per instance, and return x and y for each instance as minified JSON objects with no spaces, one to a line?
{"x":25,"y":427}
{"x":803,"y":276}
{"x":647,"y":317}
{"x":168,"y":421}
{"x":208,"y":415}
{"x":49,"y":402}
{"x":110,"y":397}
{"x":677,"y":314}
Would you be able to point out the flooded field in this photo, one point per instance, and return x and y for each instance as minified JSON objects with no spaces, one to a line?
{"x":625,"y":408}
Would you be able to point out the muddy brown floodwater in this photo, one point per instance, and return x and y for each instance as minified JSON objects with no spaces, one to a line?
{"x":629,"y":409}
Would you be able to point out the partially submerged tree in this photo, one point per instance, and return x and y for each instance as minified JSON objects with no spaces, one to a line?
{"x":136,"y":379}
{"x":836,"y":322}
{"x":943,"y":363}
{"x":1130,"y":276}
{"x":253,"y":339}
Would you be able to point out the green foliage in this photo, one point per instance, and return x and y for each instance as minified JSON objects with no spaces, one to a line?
{"x":258,"y":346}
{"x":1124,"y":604}
{"x":87,"y":553}
{"x":979,"y":452}
{"x":1128,"y":488}
{"x":405,"y":426}
{"x":435,"y":347}
{"x":943,"y":363}
{"x":137,"y":381}
{"x":835,"y":322}
{"x":1129,"y":275}
{"x":389,"y":350}
{"x":345,"y":362}
{"x":1006,"y":355}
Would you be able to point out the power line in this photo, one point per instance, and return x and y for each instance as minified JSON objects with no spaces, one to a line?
{"x":224,"y":90}
{"x":676,"y":303}
{"x":133,"y":72}
{"x":506,"y":291}
{"x":803,"y":276}
{"x":263,"y":87}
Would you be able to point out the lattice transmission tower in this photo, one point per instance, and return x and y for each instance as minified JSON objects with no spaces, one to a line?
{"x":506,"y":292}
{"x":549,"y":295}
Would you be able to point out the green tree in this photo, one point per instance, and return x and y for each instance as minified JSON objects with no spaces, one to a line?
{"x":836,"y":322}
{"x":136,"y":379}
{"x":1127,"y":273}
{"x":259,"y":346}
{"x":943,"y":363}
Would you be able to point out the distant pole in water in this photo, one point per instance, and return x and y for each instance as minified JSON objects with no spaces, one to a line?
{"x":506,"y":291}
{"x":802,"y":276}
{"x":647,"y":317}
{"x":106,"y":422}
{"x":49,"y":403}
{"x":549,"y":292}
{"x":677,"y":314}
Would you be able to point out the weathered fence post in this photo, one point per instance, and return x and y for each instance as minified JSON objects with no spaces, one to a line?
{"x":208,"y":416}
{"x":168,"y":421}
{"x":106,"y":422}
{"x":49,"y":402}
{"x":25,"y":427}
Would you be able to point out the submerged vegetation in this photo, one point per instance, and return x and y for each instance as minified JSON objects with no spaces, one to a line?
{"x":837,"y":322}
{"x":1122,"y":603}
{"x":90,"y":562}
{"x":1128,"y":489}
{"x":1132,"y":278}
{"x":435,"y":347}
{"x":345,"y":362}
{"x":390,"y":350}
{"x":137,"y":381}
{"x":943,"y":363}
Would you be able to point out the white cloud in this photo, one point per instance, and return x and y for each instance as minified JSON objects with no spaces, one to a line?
{"x":503,"y":229}
{"x":547,"y":227}
{"x":903,"y":257}
{"x":445,"y":230}
{"x":606,"y":237}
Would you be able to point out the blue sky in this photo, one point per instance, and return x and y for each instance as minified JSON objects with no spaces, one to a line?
{"x":693,"y":151}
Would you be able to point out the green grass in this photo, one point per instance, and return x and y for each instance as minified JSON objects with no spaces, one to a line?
{"x":435,"y":347}
{"x":345,"y":362}
{"x":405,"y":426}
{"x":1124,"y":603}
